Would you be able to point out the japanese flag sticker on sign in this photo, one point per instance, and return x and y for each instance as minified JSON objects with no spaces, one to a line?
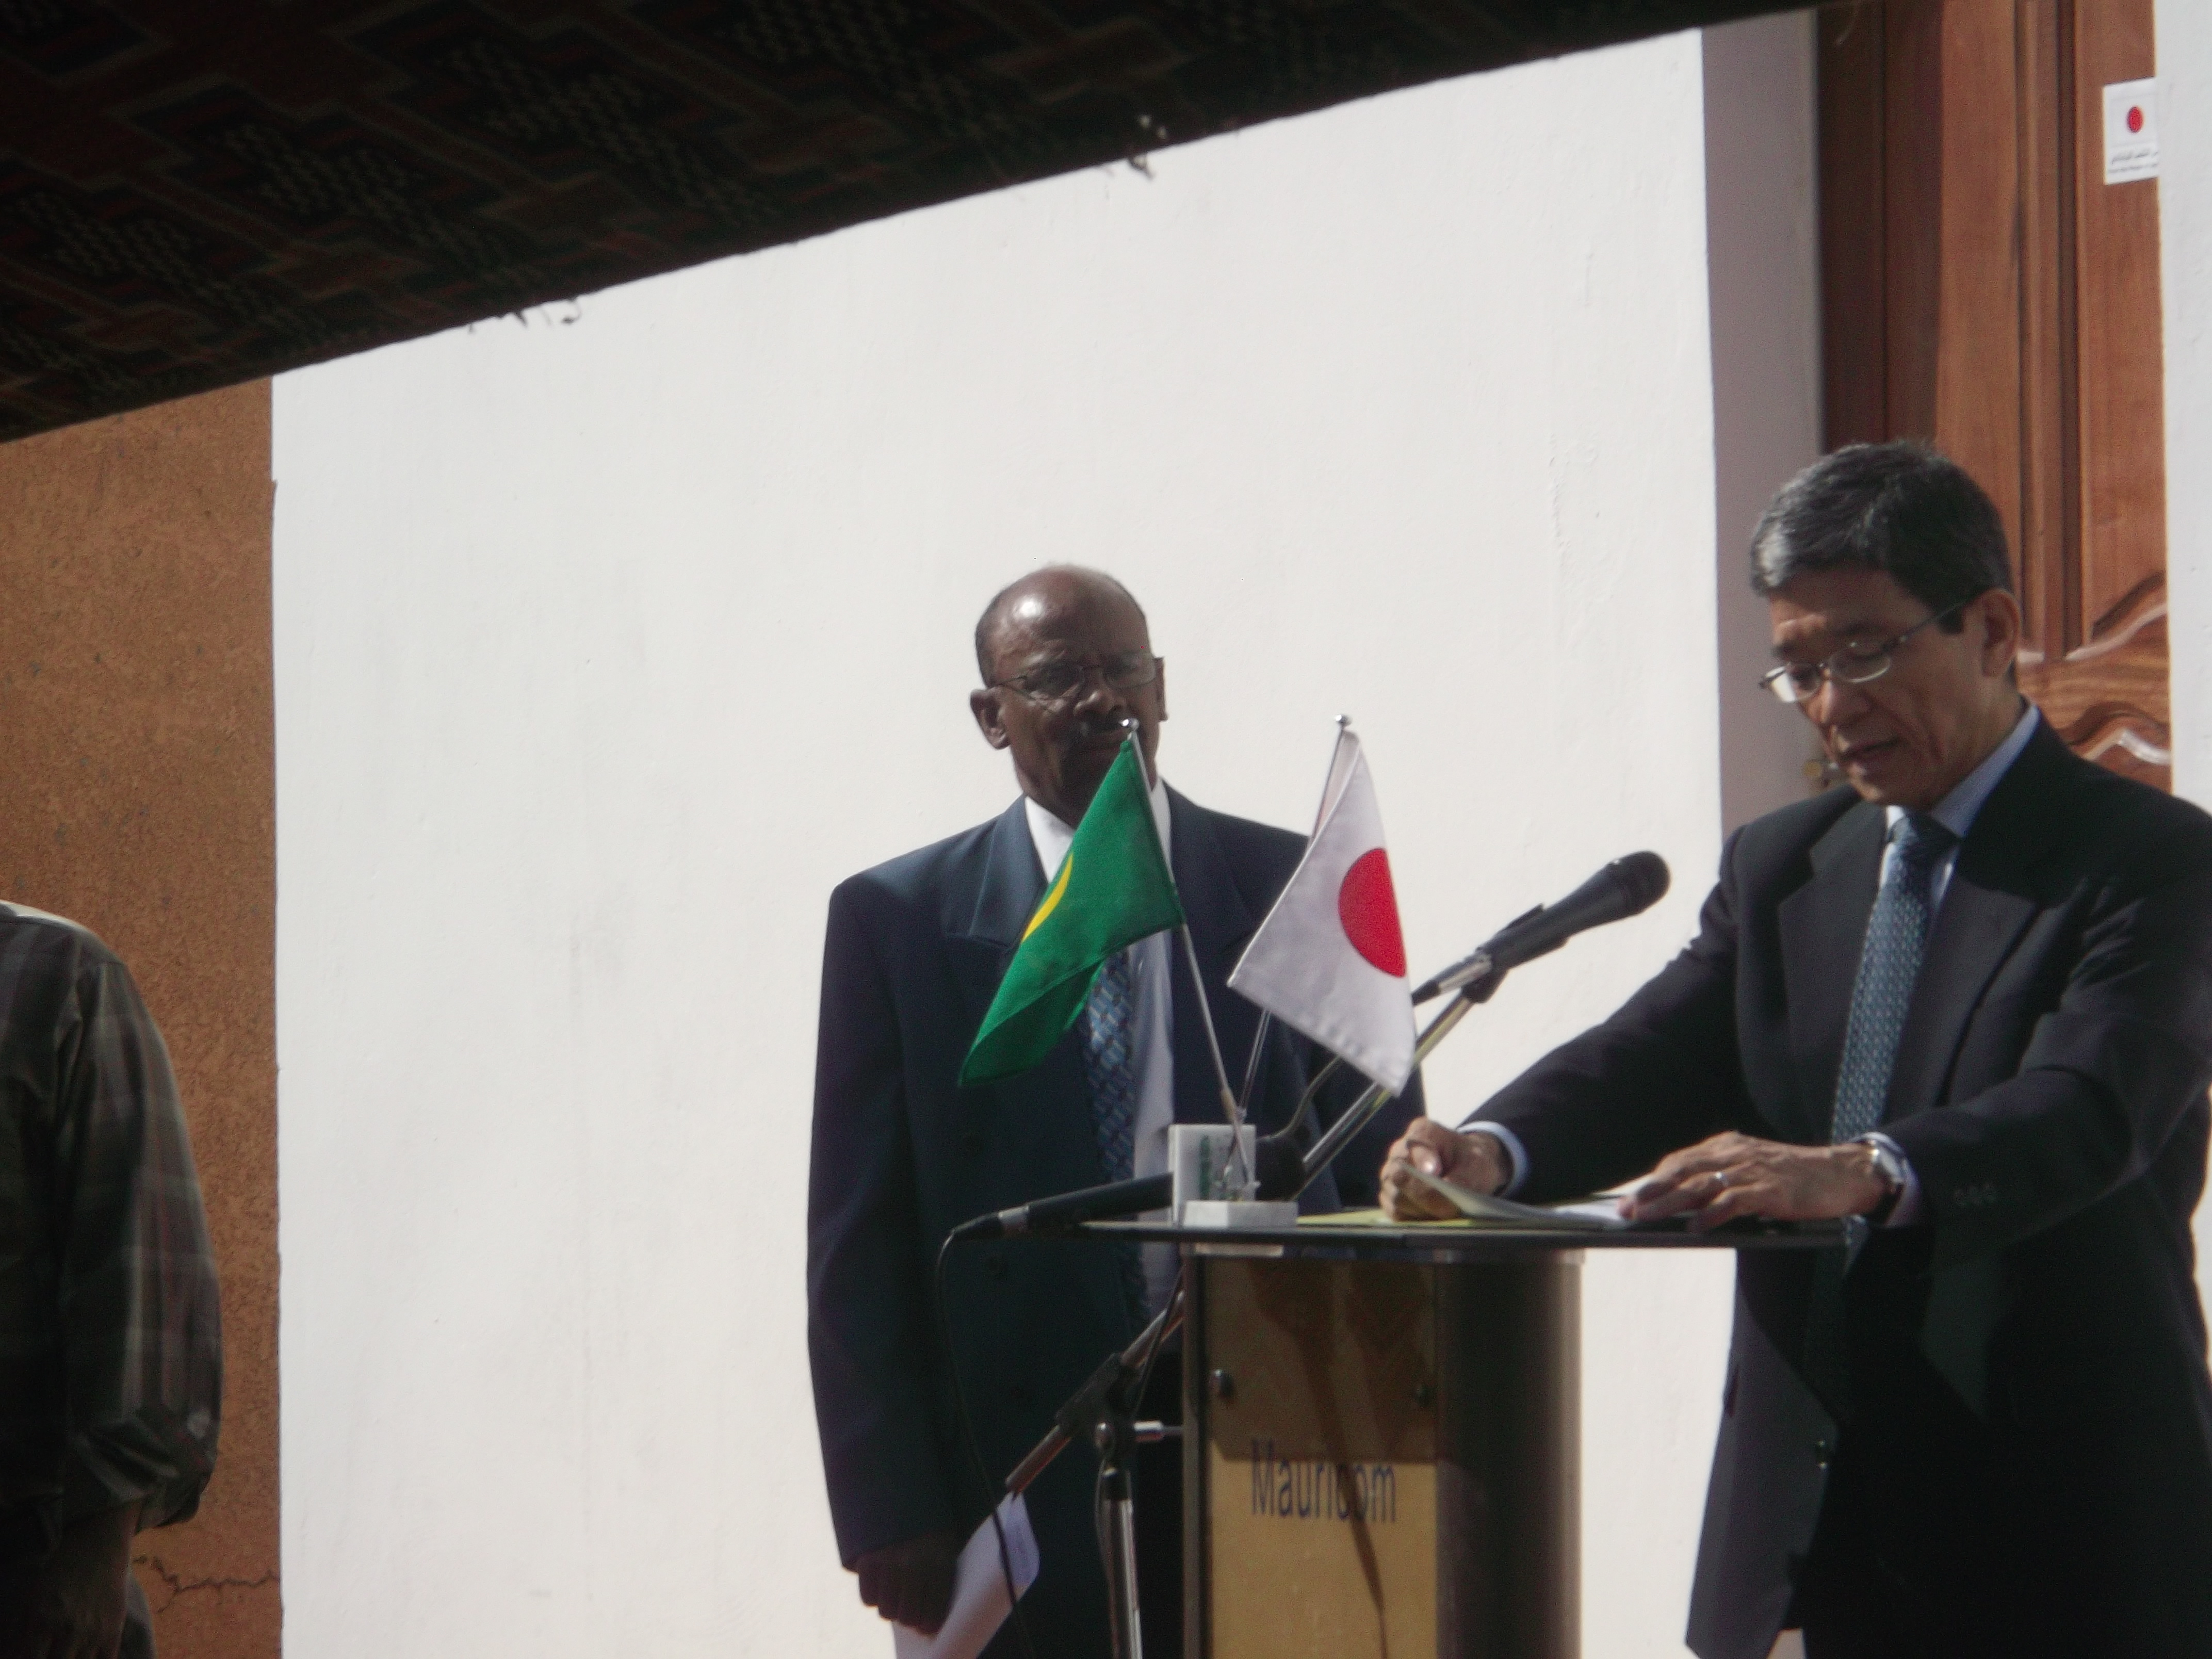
{"x":2131,"y":131}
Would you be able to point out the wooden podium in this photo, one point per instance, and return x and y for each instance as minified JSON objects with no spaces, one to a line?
{"x":1381,"y":1435}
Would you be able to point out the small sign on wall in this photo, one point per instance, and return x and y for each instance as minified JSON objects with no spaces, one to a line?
{"x":2131,"y":131}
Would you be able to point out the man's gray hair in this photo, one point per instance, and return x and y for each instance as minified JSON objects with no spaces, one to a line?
{"x":1900,"y":508}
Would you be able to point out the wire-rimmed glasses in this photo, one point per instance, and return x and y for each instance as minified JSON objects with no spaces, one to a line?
{"x":1063,"y":681}
{"x":1855,"y":664}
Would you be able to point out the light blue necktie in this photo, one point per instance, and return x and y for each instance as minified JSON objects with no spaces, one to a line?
{"x":1109,"y":1071}
{"x":1889,"y":967}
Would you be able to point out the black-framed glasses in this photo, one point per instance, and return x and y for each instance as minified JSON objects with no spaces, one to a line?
{"x":1063,"y":681}
{"x":1855,"y":664}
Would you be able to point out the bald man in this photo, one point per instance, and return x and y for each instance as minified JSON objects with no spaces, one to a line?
{"x":902,"y":1154}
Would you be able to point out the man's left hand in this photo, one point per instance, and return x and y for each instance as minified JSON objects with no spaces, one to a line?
{"x":1732,"y":1175}
{"x":70,"y":1604}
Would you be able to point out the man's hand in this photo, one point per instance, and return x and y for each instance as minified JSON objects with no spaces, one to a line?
{"x":1729,"y":1175}
{"x":911,"y":1582}
{"x":1475,"y":1162}
{"x":70,"y":1604}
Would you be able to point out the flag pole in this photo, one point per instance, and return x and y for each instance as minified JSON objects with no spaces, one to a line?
{"x":1238,"y":1175}
{"x":1252,"y":1061}
{"x":1207,"y":1016}
{"x":1266,"y":1016}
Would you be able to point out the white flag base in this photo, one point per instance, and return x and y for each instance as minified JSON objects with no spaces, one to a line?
{"x":1229,"y":1213}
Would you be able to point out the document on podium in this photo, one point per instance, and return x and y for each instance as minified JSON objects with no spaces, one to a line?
{"x":1581,"y":1215}
{"x":980,"y":1603}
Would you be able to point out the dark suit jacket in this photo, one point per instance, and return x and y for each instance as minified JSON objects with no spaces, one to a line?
{"x":901,"y":1155}
{"x":2034,"y":1356}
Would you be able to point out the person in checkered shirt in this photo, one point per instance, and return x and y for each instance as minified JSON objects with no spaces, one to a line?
{"x":111,"y":1346}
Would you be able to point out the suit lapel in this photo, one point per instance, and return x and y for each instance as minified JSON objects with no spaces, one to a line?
{"x":1823,"y":927}
{"x":1011,"y":885}
{"x":1987,"y":906}
{"x":983,"y":927}
{"x":1220,"y":923}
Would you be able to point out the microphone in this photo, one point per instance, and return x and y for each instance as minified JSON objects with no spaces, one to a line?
{"x":1281,"y":1169}
{"x":1626,"y":887}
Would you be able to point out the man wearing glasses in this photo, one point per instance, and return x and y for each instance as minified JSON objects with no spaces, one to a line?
{"x":1966,"y":1003}
{"x":901,"y":1155}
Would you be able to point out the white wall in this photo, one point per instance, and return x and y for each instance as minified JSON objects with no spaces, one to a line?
{"x":2184,"y":210}
{"x":1763,"y":253}
{"x":604,"y":650}
{"x":2184,"y":207}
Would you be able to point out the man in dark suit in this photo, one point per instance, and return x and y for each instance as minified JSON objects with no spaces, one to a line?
{"x":901,"y":1155}
{"x":1967,"y":1004}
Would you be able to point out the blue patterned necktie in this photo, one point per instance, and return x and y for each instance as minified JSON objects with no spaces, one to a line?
{"x":1889,"y":968}
{"x":1109,"y":1071}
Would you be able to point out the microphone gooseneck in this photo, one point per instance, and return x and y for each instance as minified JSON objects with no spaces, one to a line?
{"x":1626,"y":887}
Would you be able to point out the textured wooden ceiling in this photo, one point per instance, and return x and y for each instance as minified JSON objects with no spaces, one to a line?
{"x":194,"y":192}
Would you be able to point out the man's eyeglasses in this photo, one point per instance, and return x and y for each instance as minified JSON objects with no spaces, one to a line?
{"x":1063,"y":681}
{"x":1855,"y":664}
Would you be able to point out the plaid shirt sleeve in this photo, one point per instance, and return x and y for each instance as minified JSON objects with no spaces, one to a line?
{"x":138,"y":1321}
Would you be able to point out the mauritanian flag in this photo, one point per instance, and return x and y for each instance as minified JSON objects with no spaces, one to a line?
{"x":1330,"y":959}
{"x":1111,"y":889}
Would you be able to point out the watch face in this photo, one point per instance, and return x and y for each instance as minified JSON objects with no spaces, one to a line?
{"x":1886,"y":1165}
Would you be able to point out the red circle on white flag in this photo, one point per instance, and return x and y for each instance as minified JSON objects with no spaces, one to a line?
{"x":1367,"y":905}
{"x":2135,"y":119}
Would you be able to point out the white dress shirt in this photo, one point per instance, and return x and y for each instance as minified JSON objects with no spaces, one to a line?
{"x":1956,"y":812}
{"x":1152,"y":1034}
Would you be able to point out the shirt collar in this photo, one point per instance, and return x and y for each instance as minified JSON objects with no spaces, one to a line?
{"x":1052,"y":838}
{"x":1956,"y":810}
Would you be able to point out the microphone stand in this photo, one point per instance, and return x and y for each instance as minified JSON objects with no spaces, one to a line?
{"x":1104,"y":1410}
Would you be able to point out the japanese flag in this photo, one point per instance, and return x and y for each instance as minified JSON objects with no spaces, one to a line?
{"x":1330,"y":959}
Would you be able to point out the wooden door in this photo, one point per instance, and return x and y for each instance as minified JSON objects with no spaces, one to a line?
{"x":1986,"y":288}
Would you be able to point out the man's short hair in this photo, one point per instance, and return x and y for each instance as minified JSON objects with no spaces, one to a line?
{"x":989,"y":619}
{"x":1900,"y":508}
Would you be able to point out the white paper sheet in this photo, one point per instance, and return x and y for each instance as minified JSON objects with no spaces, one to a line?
{"x":1600,"y":1215}
{"x":980,"y":1604}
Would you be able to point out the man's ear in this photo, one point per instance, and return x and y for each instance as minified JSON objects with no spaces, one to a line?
{"x":986,"y":706}
{"x":2000,"y":613}
{"x":1160,"y":687}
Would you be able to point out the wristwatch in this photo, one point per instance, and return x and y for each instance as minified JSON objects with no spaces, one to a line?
{"x":1889,"y":1170}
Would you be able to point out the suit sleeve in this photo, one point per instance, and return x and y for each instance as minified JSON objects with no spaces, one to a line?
{"x":870,"y":1337}
{"x":2106,"y":1076}
{"x":1662,"y":1073}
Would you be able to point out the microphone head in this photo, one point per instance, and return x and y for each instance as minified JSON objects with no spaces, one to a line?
{"x":1644,"y":880}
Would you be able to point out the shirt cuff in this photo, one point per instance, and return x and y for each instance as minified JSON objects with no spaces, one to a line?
{"x":153,"y":1458}
{"x":1907,"y":1210}
{"x":1516,"y":1155}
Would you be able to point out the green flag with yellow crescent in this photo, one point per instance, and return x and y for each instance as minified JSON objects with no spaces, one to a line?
{"x":1111,"y":889}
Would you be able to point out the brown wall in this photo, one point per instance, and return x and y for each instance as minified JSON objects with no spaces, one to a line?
{"x":137,"y":758}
